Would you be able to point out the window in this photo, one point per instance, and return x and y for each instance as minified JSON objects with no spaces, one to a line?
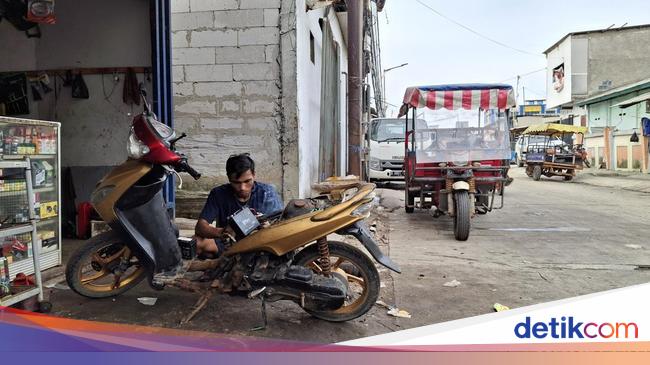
{"x":312,"y":51}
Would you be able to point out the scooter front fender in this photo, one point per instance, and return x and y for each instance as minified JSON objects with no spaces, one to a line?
{"x":360,"y":231}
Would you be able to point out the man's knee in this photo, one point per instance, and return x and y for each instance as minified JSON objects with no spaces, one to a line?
{"x":206,"y":245}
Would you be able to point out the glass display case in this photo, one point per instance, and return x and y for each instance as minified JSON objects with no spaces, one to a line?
{"x":40,"y":141}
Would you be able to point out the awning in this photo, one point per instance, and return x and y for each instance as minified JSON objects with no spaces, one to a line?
{"x":459,"y":96}
{"x":633,"y":101}
{"x":554,"y":128}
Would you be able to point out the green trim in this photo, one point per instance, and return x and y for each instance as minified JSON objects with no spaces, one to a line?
{"x":615,"y":94}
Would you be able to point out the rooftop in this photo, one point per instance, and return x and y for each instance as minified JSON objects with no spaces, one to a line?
{"x":619,"y":29}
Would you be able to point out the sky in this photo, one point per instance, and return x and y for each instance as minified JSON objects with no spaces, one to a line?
{"x":438,"y":51}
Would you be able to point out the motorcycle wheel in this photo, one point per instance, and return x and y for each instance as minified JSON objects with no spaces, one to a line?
{"x":92,"y":269}
{"x":360,"y":271}
{"x":462,"y":216}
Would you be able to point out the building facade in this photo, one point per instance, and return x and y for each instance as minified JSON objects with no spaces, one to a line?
{"x":265,"y":77}
{"x":588,"y":73}
{"x":614,"y":117}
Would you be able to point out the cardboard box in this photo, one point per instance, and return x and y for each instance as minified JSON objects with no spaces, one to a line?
{"x":49,"y":209}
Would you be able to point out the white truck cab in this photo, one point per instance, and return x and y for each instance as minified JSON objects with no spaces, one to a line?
{"x":387,"y":148}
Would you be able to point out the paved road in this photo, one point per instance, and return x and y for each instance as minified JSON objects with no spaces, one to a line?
{"x":553,"y":240}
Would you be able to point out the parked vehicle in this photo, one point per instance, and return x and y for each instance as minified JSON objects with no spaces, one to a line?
{"x":461,"y":166}
{"x":281,"y":256}
{"x":387,"y":149}
{"x":524,"y":140}
{"x":549,"y":158}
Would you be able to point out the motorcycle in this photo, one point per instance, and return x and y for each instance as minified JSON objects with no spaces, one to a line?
{"x":282,"y":256}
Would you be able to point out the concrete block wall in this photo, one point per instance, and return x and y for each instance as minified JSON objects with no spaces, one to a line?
{"x":227,"y":86}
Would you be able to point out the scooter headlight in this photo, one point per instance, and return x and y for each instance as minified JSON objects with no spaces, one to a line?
{"x":135,"y":148}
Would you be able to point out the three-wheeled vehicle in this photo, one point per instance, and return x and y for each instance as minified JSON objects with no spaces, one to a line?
{"x":459,"y":164}
{"x":554,"y":153}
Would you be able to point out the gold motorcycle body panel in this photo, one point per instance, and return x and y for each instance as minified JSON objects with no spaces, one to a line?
{"x":284,"y":237}
{"x":120,"y":179}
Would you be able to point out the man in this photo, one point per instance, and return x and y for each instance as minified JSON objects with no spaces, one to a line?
{"x":241,"y":191}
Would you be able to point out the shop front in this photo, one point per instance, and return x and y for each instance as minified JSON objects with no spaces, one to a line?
{"x":69,"y":88}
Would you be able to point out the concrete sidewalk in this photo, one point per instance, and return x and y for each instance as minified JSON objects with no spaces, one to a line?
{"x":616,"y":180}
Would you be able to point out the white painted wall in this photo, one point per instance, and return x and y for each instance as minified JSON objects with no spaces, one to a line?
{"x":557,"y":56}
{"x":309,"y":86}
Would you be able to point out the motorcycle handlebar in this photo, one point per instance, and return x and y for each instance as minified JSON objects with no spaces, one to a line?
{"x":185,"y":167}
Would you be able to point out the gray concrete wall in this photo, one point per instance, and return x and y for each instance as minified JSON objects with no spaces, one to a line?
{"x":23,"y":50}
{"x":621,"y":57}
{"x":228,"y":87}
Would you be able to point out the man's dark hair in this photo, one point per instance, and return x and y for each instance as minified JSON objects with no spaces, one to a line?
{"x":238,"y":164}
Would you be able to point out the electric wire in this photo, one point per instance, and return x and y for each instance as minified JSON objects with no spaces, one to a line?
{"x":475,"y":32}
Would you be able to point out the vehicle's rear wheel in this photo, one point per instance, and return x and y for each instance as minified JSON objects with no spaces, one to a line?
{"x":462,"y":215}
{"x":409,"y":201}
{"x":569,"y":177}
{"x":103,"y":267}
{"x":357,"y":268}
{"x":537,"y":172}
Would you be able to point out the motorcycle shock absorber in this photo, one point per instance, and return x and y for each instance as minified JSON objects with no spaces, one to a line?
{"x":324,"y":255}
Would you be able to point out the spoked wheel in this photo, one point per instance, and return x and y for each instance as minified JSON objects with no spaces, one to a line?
{"x":103,"y":267}
{"x":462,"y":215}
{"x":357,"y":268}
{"x":537,"y":172}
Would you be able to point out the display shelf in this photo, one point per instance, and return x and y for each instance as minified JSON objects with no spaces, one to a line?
{"x":28,"y":136}
{"x":33,"y":157}
{"x":20,"y":192}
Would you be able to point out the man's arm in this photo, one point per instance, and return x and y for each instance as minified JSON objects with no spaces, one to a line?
{"x":205,"y":230}
{"x":209,"y":214}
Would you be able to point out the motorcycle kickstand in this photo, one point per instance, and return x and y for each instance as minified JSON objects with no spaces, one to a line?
{"x":264,"y":320}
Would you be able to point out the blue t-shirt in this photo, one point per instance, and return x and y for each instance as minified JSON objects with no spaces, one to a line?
{"x":222,"y":203}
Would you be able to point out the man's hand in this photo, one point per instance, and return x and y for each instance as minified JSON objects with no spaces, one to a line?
{"x":227,"y":231}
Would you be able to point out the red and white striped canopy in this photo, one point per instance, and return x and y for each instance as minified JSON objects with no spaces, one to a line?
{"x":465,"y":96}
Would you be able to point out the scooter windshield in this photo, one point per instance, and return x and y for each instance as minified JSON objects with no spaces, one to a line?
{"x":463,"y":136}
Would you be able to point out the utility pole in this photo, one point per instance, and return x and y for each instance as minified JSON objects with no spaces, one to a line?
{"x":355,"y":84}
{"x":383,"y":80}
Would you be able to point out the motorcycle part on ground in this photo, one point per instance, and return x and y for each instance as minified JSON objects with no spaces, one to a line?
{"x":188,"y":247}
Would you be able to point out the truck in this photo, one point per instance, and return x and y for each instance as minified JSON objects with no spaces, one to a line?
{"x":386,"y":157}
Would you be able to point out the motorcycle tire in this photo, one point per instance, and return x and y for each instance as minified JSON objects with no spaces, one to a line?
{"x":462,"y":216}
{"x":364,"y":269}
{"x":76,"y":264}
